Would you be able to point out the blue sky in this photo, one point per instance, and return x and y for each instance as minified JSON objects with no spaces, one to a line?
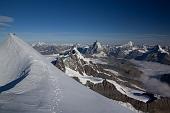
{"x":85,"y":20}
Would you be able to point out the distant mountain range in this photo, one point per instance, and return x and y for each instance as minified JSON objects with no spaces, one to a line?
{"x":91,"y":68}
{"x":108,"y":70}
{"x":128,"y":51}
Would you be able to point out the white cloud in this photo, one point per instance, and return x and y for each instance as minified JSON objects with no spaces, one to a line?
{"x":5,"y":21}
{"x":4,"y":25}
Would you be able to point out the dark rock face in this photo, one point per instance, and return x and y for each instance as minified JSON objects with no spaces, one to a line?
{"x":166,"y":60}
{"x":75,"y":61}
{"x":153,"y":54}
{"x":155,"y":105}
{"x":83,"y":50}
{"x":59,"y":64}
{"x":134,"y":54}
{"x":96,"y":48}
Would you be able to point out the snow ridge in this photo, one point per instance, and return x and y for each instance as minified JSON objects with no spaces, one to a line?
{"x":45,"y":89}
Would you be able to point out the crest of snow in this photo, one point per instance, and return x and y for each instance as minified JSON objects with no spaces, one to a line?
{"x":43,"y":84}
{"x":83,"y":78}
{"x":126,"y":52}
{"x":137,"y":87}
{"x":130,"y":43}
{"x":101,"y":54}
{"x":98,"y":45}
{"x":135,"y":94}
{"x":142,"y":51}
{"x":106,"y":74}
{"x":96,"y":61}
{"x":134,"y":48}
{"x":79,"y":55}
{"x":87,"y":46}
{"x":162,"y":50}
{"x":145,"y":48}
{"x":112,"y":71}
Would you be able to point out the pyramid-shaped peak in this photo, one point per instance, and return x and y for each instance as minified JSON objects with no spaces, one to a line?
{"x":97,"y":43}
{"x":130,"y":43}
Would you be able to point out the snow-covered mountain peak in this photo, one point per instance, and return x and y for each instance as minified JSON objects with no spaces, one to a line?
{"x":130,"y":43}
{"x":97,"y":45}
{"x":158,"y":48}
{"x":95,"y":48}
{"x":75,"y":51}
{"x":162,"y":50}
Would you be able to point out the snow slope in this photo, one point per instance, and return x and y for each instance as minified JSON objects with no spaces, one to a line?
{"x":135,"y":94}
{"x":30,"y":84}
{"x":83,"y":78}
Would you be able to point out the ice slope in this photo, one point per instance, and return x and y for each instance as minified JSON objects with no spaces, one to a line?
{"x":43,"y":88}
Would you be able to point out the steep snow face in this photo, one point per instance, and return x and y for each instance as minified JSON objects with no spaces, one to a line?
{"x":43,"y":88}
{"x":162,"y":50}
{"x":79,"y":55}
{"x":130,"y":43}
{"x":96,"y":47}
{"x":83,"y":79}
{"x":100,"y":54}
{"x":157,"y":48}
{"x":15,"y":59}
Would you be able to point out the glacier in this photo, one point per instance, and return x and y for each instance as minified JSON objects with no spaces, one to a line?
{"x":29,"y":83}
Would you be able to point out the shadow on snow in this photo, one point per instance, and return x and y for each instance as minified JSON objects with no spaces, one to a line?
{"x":12,"y":84}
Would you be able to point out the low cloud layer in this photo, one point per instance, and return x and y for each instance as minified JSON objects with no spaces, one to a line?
{"x":5,"y":21}
{"x":151,"y":71}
